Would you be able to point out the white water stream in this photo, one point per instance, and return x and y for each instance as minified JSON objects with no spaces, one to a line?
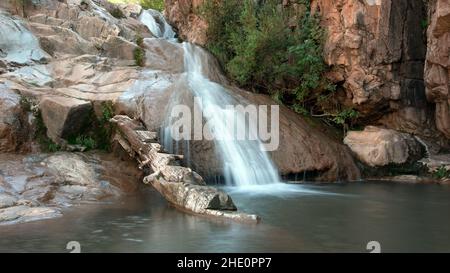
{"x":244,"y":161}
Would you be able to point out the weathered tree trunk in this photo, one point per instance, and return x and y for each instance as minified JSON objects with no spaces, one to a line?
{"x":180,"y":186}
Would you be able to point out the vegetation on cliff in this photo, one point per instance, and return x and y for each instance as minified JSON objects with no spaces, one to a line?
{"x":270,"y":48}
{"x":146,"y":4}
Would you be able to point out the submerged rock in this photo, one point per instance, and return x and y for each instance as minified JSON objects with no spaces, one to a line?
{"x":36,"y":187}
{"x":21,"y":214}
{"x":379,"y":147}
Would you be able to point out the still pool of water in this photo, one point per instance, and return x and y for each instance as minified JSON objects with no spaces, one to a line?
{"x":295,"y":218}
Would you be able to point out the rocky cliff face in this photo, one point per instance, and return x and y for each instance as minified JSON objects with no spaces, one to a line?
{"x":437,"y":68}
{"x":77,"y":56}
{"x":181,"y":14}
{"x":389,"y":59}
{"x":376,"y":51}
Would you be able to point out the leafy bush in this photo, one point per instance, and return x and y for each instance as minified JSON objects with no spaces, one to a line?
{"x":85,"y":141}
{"x":268,"y":48}
{"x":139,"y":56}
{"x":139,"y":40}
{"x":152,"y":4}
{"x":146,"y":4}
{"x":441,"y":173}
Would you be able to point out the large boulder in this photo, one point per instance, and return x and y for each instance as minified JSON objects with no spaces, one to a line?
{"x":379,"y":147}
{"x":63,"y":116}
{"x":118,"y":47}
{"x":437,"y":69}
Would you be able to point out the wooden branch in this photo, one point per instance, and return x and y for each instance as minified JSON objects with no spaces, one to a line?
{"x":134,"y":137}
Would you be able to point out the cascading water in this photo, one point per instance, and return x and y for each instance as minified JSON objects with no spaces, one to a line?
{"x":244,"y":161}
{"x":157,"y":24}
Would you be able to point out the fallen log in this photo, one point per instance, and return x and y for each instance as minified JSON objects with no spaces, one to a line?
{"x":132,"y":135}
{"x":179,"y":185}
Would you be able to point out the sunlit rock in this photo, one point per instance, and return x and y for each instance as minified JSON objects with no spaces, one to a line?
{"x":380,"y":147}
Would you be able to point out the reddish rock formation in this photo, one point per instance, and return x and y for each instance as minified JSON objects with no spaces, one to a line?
{"x":437,"y":69}
{"x":376,"y":50}
{"x":181,"y":14}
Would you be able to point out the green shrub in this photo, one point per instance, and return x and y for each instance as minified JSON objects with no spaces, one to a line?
{"x":441,"y":173}
{"x":152,"y":4}
{"x":139,"y":40}
{"x":85,"y":141}
{"x":261,"y":48}
{"x":107,"y":111}
{"x":146,"y":4}
{"x":139,"y":56}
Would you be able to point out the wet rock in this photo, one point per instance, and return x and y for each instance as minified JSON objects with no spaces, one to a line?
{"x":29,"y":185}
{"x":21,"y":214}
{"x":34,"y":75}
{"x":304,"y":145}
{"x":163,"y":55}
{"x":18,"y":45}
{"x":196,"y":198}
{"x":7,"y":200}
{"x":379,"y":147}
{"x":64,"y":116}
{"x":436,"y":162}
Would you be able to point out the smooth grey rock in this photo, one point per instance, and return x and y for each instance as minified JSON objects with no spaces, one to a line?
{"x":18,"y":45}
{"x":21,"y":214}
{"x":7,"y":200}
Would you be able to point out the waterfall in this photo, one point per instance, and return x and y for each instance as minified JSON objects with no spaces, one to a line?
{"x":244,"y":161}
{"x":157,"y":24}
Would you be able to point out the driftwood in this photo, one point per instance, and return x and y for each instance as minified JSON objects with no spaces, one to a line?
{"x":143,"y":145}
{"x":179,"y":185}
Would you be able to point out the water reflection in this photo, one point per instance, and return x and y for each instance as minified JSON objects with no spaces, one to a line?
{"x":295,"y":218}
